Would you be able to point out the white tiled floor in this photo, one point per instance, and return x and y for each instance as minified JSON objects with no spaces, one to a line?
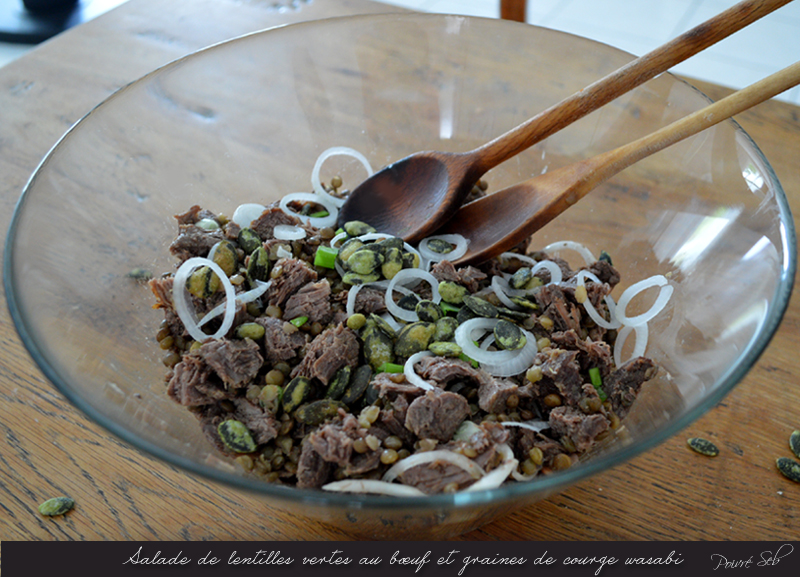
{"x":639,"y":26}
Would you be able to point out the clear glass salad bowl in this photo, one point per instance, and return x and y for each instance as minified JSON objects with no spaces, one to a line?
{"x":245,"y":120}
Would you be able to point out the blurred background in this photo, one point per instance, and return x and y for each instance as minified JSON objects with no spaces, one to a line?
{"x":636,"y":26}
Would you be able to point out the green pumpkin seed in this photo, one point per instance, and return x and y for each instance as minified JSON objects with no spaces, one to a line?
{"x":348,"y":248}
{"x":378,"y":347}
{"x":317,"y":412}
{"x":392,"y":242}
{"x":410,"y":260}
{"x":357,"y":228}
{"x":365,"y":261}
{"x":248,"y":240}
{"x":408,"y":302}
{"x":338,"y":384}
{"x":358,"y":385}
{"x":794,"y":443}
{"x":703,"y":446}
{"x":56,"y":506}
{"x":414,"y":338}
{"x":393,"y":263}
{"x":452,"y":293}
{"x":445,"y":329}
{"x":236,"y":436}
{"x":525,"y":303}
{"x":203,"y":282}
{"x":140,"y":274}
{"x":604,"y":256}
{"x":520,"y":278}
{"x":258,"y":266}
{"x":440,"y":246}
{"x":353,"y":278}
{"x":481,"y":307}
{"x":508,"y":336}
{"x":384,"y":326}
{"x":298,"y":391}
{"x":445,"y":349}
{"x":428,"y":311}
{"x":465,"y":314}
{"x":789,"y":468}
{"x":225,"y":256}
{"x":253,"y":331}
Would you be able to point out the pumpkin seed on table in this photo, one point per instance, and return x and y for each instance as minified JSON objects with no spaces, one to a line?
{"x":236,"y":436}
{"x":703,"y":446}
{"x":140,"y":274}
{"x":794,"y":443}
{"x":56,"y":506}
{"x":789,"y":468}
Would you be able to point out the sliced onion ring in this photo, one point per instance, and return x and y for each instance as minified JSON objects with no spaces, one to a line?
{"x":374,"y":487}
{"x":460,"y":249}
{"x":319,"y":222}
{"x":496,"y":363}
{"x":498,"y":475}
{"x":501,"y":288}
{"x":639,"y":348}
{"x":316,"y":182}
{"x":625,"y":298}
{"x":243,"y":298}
{"x":405,"y":276}
{"x":522,"y":257}
{"x":184,"y":308}
{"x":411,"y":374}
{"x":425,"y":457}
{"x":571,"y":245}
{"x":288,"y":232}
{"x":535,"y":426}
{"x":594,"y":314}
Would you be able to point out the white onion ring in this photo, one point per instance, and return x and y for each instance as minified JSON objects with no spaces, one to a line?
{"x":460,"y":249}
{"x":407,"y":275}
{"x":571,"y":245}
{"x":243,"y":298}
{"x":663,"y":297}
{"x":594,"y":314}
{"x":500,"y":287}
{"x":522,"y":257}
{"x":374,"y":487}
{"x":316,"y":183}
{"x":337,"y":238}
{"x":245,"y":214}
{"x":642,"y":334}
{"x":184,"y":309}
{"x":411,"y":374}
{"x":496,"y":363}
{"x":498,"y":475}
{"x":352,"y":292}
{"x":425,"y":457}
{"x":556,"y":274}
{"x":288,"y":232}
{"x":320,"y":221}
{"x":390,"y":320}
{"x":535,"y":426}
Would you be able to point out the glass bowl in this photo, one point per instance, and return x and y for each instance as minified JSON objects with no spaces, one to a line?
{"x":244,"y":121}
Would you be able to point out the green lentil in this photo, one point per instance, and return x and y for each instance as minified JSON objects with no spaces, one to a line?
{"x":356,"y":321}
{"x":207,"y":224}
{"x":56,"y":506}
{"x":253,"y":331}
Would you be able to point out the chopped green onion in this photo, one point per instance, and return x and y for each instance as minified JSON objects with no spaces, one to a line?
{"x":469,"y":360}
{"x":299,"y":321}
{"x":320,"y":214}
{"x":339,"y":230}
{"x":325,"y":257}
{"x":448,"y":308}
{"x":390,"y":368}
{"x":597,"y":381}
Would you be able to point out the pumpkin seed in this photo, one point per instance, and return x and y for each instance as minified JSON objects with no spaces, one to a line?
{"x":410,"y":260}
{"x":703,"y":446}
{"x":408,"y":302}
{"x":414,"y":338}
{"x":481,"y":307}
{"x":445,"y":349}
{"x":445,"y":329}
{"x":365,"y":261}
{"x":258,"y":266}
{"x":225,"y":256}
{"x":356,"y":321}
{"x":452,"y":293}
{"x":789,"y":468}
{"x":338,"y":384}
{"x":512,"y":315}
{"x":392,"y":242}
{"x":428,"y":311}
{"x":253,"y":331}
{"x":604,"y":256}
{"x":357,"y":228}
{"x":385,"y":327}
{"x":140,"y":274}
{"x":56,"y":506}
{"x":465,"y":314}
{"x":203,"y":282}
{"x":358,"y":385}
{"x":353,"y":278}
{"x":520,"y":278}
{"x":794,"y":443}
{"x":236,"y":436}
{"x":317,"y":412}
{"x":393,"y":263}
{"x":298,"y":391}
{"x":440,"y":246}
{"x":378,"y":347}
{"x":508,"y":336}
{"x":207,"y":224}
{"x":525,"y":303}
{"x":348,"y":248}
{"x":248,"y":240}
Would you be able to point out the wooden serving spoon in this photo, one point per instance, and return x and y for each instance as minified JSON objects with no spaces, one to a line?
{"x":496,"y":223}
{"x":416,"y":195}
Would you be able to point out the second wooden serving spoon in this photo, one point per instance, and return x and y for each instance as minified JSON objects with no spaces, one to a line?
{"x":415,"y":196}
{"x":495,"y":223}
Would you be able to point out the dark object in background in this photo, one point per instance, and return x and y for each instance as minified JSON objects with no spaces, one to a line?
{"x":34,"y":21}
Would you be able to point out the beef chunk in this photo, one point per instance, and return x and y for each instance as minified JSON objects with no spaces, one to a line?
{"x":369,"y":300}
{"x":468,"y":276}
{"x":591,"y":354}
{"x":393,"y":418}
{"x":581,"y":428}
{"x":560,"y":374}
{"x":554,"y":304}
{"x":194,"y":241}
{"x":334,"y":444}
{"x":443,"y":371}
{"x":278,"y":344}
{"x":327,"y":353}
{"x":622,"y":386}
{"x":162,"y":289}
{"x":434,"y":477}
{"x":529,"y":439}
{"x":189,"y":382}
{"x":493,"y":396}
{"x":436,"y":415}
{"x":312,"y":301}
{"x":312,"y":470}
{"x":194,"y":214}
{"x":605,"y":272}
{"x":264,"y":225}
{"x":235,"y":362}
{"x":262,"y":424}
{"x":292,"y":275}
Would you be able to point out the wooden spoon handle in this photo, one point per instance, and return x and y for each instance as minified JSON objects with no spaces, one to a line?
{"x":620,"y":81}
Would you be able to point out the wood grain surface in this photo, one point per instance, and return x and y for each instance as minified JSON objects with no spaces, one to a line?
{"x":48,"y":448}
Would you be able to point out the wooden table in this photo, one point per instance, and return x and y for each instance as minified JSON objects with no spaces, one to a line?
{"x":49,"y":448}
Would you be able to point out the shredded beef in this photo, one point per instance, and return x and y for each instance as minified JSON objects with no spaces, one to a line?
{"x":470,"y":277}
{"x":262,"y":424}
{"x":565,"y":315}
{"x":162,"y":289}
{"x":235,"y":362}
{"x":334,"y":444}
{"x":560,"y":374}
{"x":312,"y":301}
{"x":265,"y":224}
{"x":331,"y":350}
{"x":369,"y":300}
{"x":312,"y":470}
{"x":193,"y":215}
{"x":280,"y":345}
{"x":442,"y":371}
{"x":293,"y":274}
{"x":605,"y":272}
{"x":493,"y":396}
{"x":189,"y":382}
{"x":436,"y":415}
{"x":622,"y":386}
{"x":581,"y":428}
{"x":394,"y":418}
{"x":591,"y":354}
{"x":434,"y":477}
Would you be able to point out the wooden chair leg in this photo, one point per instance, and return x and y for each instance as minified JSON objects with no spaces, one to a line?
{"x":513,"y":10}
